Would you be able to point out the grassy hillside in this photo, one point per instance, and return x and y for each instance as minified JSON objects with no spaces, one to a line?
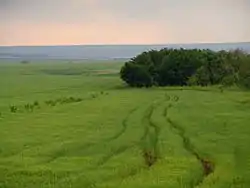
{"x":76,"y":125}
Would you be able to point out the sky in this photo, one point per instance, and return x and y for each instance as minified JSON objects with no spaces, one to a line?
{"x":73,"y":22}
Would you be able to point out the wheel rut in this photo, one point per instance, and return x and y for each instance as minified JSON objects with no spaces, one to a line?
{"x":74,"y":150}
{"x":122,"y":148}
{"x":150,"y":138}
{"x":124,"y":125}
{"x":207,"y":165}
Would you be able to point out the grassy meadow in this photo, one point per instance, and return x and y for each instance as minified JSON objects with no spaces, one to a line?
{"x":76,"y":125}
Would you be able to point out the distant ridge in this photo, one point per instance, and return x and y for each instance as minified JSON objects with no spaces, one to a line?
{"x":102,"y":52}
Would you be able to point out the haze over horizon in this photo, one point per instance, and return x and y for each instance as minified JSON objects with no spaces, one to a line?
{"x":62,"y":22}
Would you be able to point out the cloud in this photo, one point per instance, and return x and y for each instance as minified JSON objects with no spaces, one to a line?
{"x":47,"y":11}
{"x":123,"y":21}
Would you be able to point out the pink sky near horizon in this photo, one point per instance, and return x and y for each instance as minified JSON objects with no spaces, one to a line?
{"x":60,"y":34}
{"x":110,"y":23}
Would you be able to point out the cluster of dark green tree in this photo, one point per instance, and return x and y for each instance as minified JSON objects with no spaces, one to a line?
{"x":180,"y":67}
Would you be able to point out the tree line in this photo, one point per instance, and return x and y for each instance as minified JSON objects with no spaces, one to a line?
{"x":181,"y":67}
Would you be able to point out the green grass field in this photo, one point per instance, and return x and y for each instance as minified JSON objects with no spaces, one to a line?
{"x":75,"y":125}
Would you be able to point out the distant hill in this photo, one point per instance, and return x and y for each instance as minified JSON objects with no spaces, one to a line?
{"x":101,"y":52}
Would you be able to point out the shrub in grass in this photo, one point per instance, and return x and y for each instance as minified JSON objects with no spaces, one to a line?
{"x":13,"y":109}
{"x":176,"y":98}
{"x":104,"y":93}
{"x":29,"y":107}
{"x":93,"y":95}
{"x":24,"y":62}
{"x":26,"y":106}
{"x":170,"y":105}
{"x":53,"y":103}
{"x":208,"y":166}
{"x":36,"y":103}
{"x":149,"y":157}
{"x":64,"y":100}
{"x":61,"y":100}
{"x":50,"y":103}
{"x":221,"y":88}
{"x":78,"y":99}
{"x":72,"y":99}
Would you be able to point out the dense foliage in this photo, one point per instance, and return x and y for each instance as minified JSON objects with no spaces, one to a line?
{"x":179,"y":67}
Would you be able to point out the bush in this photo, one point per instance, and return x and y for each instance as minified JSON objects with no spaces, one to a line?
{"x":50,"y":103}
{"x":192,"y":81}
{"x":36,"y":103}
{"x":29,"y":107}
{"x":244,"y":72}
{"x":136,"y":75}
{"x":24,"y":62}
{"x":149,"y":157}
{"x":13,"y":109}
{"x":78,"y":99}
{"x":229,"y":80}
{"x":180,"y":67}
{"x":64,"y":100}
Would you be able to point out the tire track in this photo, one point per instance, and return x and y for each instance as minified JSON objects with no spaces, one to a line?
{"x":124,"y":125}
{"x":150,"y":129}
{"x":113,"y":153}
{"x":75,"y":150}
{"x":123,"y":148}
{"x":150,"y":138}
{"x":208,"y":166}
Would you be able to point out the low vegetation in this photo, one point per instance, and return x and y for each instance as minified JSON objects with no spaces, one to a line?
{"x":29,"y":107}
{"x":88,"y":130}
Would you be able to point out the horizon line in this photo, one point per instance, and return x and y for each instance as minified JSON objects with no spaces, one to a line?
{"x":124,"y":44}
